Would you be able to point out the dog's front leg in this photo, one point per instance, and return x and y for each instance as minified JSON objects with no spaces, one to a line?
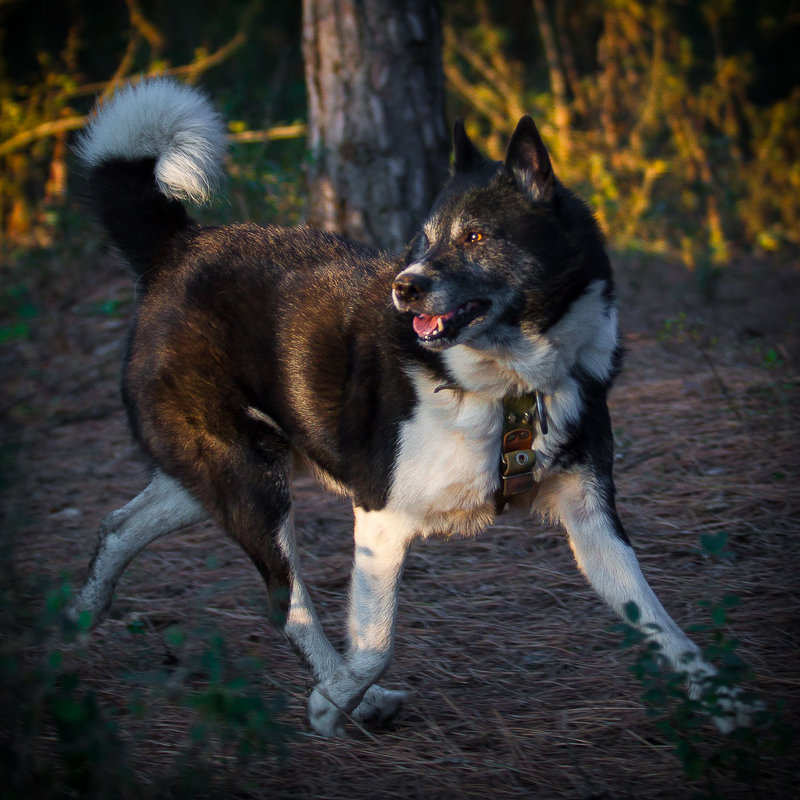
{"x":584,"y":504}
{"x":605,"y":556}
{"x":381,"y":543}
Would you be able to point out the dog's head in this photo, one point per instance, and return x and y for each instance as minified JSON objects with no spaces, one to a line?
{"x":504,"y":252}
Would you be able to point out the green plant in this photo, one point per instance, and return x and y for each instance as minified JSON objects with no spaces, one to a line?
{"x":771,"y":358}
{"x":682,"y":717}
{"x":673,"y":328}
{"x":60,"y":739}
{"x":18,"y":308}
{"x":230,"y":706}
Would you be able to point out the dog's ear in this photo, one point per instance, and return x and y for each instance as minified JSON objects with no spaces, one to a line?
{"x":527,"y":160}
{"x":466,"y":157}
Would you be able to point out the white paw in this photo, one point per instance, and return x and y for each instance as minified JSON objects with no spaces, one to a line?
{"x":379,"y":705}
{"x":728,"y":707}
{"x":735,"y":712}
{"x":324,"y":716}
{"x":91,"y":601}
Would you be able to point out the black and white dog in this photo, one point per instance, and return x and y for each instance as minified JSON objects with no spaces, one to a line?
{"x":425,"y":387}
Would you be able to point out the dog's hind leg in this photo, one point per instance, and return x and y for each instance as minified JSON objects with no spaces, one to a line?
{"x":381,"y":544}
{"x":258,"y":516}
{"x":606,"y":558}
{"x":244,"y":483}
{"x":162,"y":508}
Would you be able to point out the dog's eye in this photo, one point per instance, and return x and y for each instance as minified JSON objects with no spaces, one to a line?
{"x":473,"y":236}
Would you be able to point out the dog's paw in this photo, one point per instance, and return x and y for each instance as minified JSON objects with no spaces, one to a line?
{"x":379,"y":705}
{"x":325,"y":718}
{"x":729,"y":707}
{"x":733,"y":708}
{"x":87,"y":609}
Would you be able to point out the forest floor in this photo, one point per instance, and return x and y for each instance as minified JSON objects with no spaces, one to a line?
{"x":519,"y":687}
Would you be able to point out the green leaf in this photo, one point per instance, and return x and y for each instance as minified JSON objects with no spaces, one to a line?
{"x":712,"y":543}
{"x":84,"y":620}
{"x":174,"y":636}
{"x":66,"y":708}
{"x":632,"y":613}
{"x":14,"y":332}
{"x":718,"y":615}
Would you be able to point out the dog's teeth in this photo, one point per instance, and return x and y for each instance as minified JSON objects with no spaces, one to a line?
{"x":440,"y":325}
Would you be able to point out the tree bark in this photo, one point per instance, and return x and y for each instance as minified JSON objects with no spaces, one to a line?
{"x":376,"y":130}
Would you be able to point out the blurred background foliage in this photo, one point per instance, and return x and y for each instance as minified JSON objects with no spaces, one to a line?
{"x":679,"y":121}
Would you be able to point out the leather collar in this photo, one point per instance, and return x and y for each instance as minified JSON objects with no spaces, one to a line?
{"x":522,"y":416}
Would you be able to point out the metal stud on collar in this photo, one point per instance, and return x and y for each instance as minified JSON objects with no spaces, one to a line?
{"x":517,"y":456}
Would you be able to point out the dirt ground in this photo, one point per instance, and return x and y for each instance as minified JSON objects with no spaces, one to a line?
{"x":519,"y":688}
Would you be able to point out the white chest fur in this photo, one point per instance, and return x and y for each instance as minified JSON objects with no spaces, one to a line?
{"x":447,"y":465}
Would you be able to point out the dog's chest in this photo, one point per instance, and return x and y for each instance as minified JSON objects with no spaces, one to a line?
{"x":447,"y":465}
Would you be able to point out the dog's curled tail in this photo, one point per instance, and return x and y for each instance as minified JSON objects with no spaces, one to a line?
{"x":152,"y":145}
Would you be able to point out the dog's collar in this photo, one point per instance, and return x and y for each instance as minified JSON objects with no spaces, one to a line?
{"x":522,"y":414}
{"x":521,"y":417}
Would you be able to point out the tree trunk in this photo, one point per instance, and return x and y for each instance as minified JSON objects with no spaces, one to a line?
{"x":376,"y":128}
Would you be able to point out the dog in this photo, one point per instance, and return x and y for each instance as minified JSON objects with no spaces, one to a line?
{"x":431,"y":388}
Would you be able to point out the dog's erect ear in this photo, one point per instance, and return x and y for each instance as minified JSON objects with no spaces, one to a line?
{"x":528,"y":162}
{"x":466,"y":156}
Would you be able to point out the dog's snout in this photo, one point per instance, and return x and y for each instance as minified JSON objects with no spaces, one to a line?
{"x":409,"y":287}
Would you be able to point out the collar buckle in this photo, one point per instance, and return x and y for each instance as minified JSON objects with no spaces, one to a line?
{"x":517,"y":456}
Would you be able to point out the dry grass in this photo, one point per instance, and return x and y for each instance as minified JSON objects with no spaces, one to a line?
{"x":518,"y":688}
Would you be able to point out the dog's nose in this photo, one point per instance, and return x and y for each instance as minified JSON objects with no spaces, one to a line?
{"x":409,"y":287}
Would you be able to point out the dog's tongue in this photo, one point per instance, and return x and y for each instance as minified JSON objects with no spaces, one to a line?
{"x":425,"y":324}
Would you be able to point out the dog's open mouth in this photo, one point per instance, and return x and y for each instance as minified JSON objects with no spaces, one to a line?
{"x":445,"y":327}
